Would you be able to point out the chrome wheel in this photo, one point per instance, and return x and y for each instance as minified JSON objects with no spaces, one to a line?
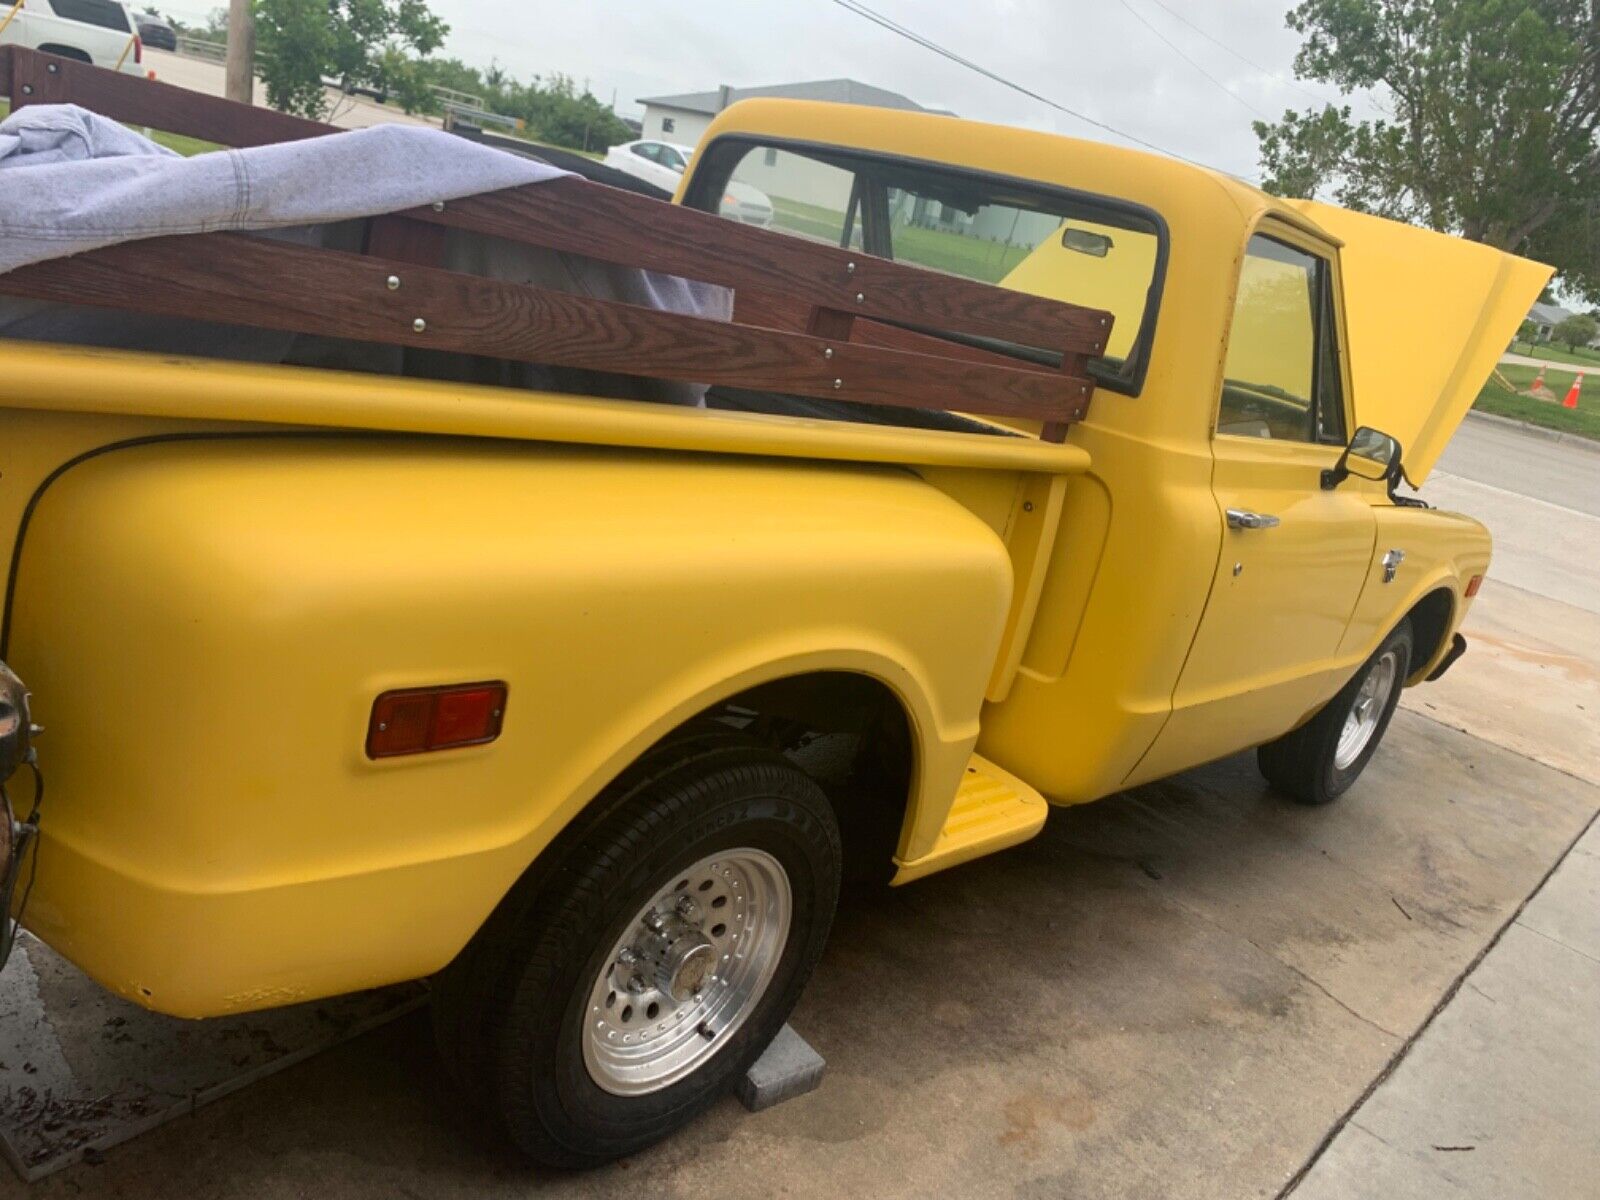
{"x":1366,"y":711}
{"x":688,"y":970}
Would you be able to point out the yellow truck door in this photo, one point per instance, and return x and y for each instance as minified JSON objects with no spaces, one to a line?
{"x":1293,"y":555}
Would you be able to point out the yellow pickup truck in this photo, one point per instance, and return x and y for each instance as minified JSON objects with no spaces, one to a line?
{"x":348,"y":679}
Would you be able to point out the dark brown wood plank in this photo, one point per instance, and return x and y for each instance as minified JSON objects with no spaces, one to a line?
{"x":753,"y":307}
{"x":242,"y":280}
{"x":580,"y":217}
{"x":401,"y":239}
{"x":829,"y":323}
{"x":1073,"y":366}
{"x":37,"y":78}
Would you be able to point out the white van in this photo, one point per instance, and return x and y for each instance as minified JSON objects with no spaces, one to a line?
{"x":101,"y":32}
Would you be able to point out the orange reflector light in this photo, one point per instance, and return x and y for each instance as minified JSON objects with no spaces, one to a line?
{"x":415,"y":720}
{"x":1473,"y":585}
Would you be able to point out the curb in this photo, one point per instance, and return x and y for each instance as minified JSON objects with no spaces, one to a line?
{"x":1576,"y":440}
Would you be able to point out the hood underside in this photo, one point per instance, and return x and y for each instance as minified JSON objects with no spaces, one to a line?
{"x":1427,"y":316}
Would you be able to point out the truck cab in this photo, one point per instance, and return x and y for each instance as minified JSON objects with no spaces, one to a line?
{"x":1207,"y":587}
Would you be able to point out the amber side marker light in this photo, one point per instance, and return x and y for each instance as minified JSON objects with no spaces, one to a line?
{"x":1473,"y":585}
{"x":416,"y":720}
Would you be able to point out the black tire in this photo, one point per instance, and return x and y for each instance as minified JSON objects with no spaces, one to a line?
{"x":509,"y":1012}
{"x":1303,"y":764}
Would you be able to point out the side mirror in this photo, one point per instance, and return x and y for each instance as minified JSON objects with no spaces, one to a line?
{"x":1371,"y":454}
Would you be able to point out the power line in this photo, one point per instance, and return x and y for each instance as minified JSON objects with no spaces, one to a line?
{"x":1173,"y":46}
{"x":877,"y":18}
{"x":1249,"y":62}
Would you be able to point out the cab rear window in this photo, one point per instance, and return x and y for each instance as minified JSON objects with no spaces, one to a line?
{"x":1082,"y":249}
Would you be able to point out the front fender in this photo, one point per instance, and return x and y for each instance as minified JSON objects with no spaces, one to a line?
{"x":1443,"y":551}
{"x":205,"y":626}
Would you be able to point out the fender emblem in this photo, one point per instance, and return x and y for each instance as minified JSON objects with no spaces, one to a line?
{"x":1391,"y":564}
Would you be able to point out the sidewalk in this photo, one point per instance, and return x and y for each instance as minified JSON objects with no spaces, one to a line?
{"x":1527,"y":360}
{"x":1497,"y":1093}
{"x":1500,"y":1094}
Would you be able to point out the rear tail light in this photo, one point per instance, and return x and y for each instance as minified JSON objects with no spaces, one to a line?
{"x":416,"y":720}
{"x":1473,"y":585}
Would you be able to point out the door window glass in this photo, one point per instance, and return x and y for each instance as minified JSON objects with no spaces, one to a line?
{"x":1281,"y":378}
{"x":648,"y":150}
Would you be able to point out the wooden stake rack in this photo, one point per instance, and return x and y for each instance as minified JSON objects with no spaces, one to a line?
{"x":809,"y":319}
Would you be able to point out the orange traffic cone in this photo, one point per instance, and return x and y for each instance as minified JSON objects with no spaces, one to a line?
{"x":1538,"y":380}
{"x":1572,"y":393}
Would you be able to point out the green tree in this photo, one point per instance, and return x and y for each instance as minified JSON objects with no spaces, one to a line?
{"x":553,"y":110}
{"x":1529,"y":332}
{"x":556,"y":112}
{"x":1492,"y":108}
{"x":1576,"y":330}
{"x":366,"y":43}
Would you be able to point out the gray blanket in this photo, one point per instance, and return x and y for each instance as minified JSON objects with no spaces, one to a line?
{"x":72,"y":181}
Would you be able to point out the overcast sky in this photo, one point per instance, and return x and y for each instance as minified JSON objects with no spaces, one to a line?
{"x":1097,"y":58}
{"x":1103,"y":58}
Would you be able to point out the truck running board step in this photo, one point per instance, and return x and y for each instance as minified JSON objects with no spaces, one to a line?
{"x":993,"y":809}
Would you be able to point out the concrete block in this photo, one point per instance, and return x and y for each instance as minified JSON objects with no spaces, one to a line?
{"x":788,"y":1068}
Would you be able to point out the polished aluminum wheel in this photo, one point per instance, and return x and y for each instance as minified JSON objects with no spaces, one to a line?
{"x":1367,"y":710}
{"x":689,"y":969}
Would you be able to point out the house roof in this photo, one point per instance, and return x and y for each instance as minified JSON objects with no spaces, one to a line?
{"x":1548,"y":314}
{"x":838,"y":91}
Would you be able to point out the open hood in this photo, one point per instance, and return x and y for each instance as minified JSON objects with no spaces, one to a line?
{"x":1427,"y":316}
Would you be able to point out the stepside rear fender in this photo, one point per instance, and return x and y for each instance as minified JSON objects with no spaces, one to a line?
{"x":205,"y":625}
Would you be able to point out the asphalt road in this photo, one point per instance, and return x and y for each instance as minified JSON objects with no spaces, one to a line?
{"x":1541,"y":502}
{"x":1556,"y":472}
{"x":198,"y":75}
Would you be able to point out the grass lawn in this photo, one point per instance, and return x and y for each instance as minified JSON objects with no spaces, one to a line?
{"x":1583,"y":420}
{"x":185,"y":146}
{"x":935,"y":249}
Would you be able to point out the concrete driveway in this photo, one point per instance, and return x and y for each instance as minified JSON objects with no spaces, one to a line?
{"x":1192,"y":989}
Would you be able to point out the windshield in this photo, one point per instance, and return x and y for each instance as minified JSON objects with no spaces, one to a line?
{"x":1084,"y":250}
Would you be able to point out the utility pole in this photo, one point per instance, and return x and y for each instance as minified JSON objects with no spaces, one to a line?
{"x":241,"y":51}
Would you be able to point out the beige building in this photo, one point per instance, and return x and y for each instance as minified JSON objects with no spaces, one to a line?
{"x":685,"y":117}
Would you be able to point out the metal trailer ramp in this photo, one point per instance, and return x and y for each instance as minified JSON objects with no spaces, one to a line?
{"x":81,"y":1069}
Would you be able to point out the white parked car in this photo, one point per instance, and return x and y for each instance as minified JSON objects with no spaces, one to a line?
{"x":101,"y":32}
{"x":663,"y":164}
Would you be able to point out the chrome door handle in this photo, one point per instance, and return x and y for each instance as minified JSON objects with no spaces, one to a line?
{"x":1239,"y":518}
